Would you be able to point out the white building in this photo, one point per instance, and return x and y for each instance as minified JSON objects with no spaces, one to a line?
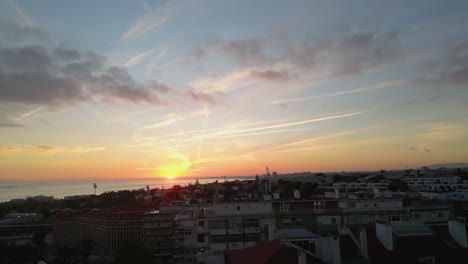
{"x":446,"y":183}
{"x":446,"y":196}
{"x":212,"y":229}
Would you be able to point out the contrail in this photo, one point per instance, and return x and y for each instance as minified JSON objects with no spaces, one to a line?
{"x":205,"y":113}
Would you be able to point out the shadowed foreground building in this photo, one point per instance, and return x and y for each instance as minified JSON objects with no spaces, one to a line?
{"x":110,"y":230}
{"x":158,"y":231}
{"x":205,"y":232}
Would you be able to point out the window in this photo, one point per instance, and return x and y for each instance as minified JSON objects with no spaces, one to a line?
{"x":238,"y":208}
{"x":441,"y":214}
{"x":299,"y":222}
{"x":218,"y":239}
{"x":217,"y":224}
{"x":235,"y":238}
{"x":252,"y":237}
{"x":251,"y":223}
{"x":395,"y":218}
{"x":201,"y":238}
{"x":201,"y":223}
{"x":333,"y":221}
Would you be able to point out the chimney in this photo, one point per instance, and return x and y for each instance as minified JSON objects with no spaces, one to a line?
{"x":377,"y":192}
{"x":301,"y":257}
{"x":384,"y":234}
{"x":335,"y":249}
{"x":457,"y":230}
{"x":363,"y":242}
{"x":297,"y":194}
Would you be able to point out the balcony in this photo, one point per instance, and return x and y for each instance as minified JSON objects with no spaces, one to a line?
{"x":309,"y":212}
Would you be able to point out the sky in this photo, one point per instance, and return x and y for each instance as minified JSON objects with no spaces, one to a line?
{"x":141,"y":89}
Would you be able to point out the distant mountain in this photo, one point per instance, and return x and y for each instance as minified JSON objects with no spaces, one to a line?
{"x":449,"y":165}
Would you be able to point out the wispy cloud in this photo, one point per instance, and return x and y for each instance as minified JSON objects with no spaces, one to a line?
{"x":46,"y":149}
{"x":154,"y":19}
{"x":271,"y":75}
{"x":202,"y":138}
{"x":227,"y":83}
{"x":146,"y":6}
{"x":43,"y":149}
{"x":424,"y":149}
{"x":9,"y":125}
{"x":137,"y":59}
{"x":441,"y":131}
{"x":235,"y":132}
{"x":164,"y":123}
{"x":24,"y":17}
{"x":30,"y":113}
{"x":172,"y":119}
{"x":155,"y":68}
{"x":223,"y":128}
{"x":302,"y":122}
{"x":344,"y":92}
{"x":86,"y":149}
{"x":8,"y":150}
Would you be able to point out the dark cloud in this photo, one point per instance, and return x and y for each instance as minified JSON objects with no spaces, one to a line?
{"x":67,"y":54}
{"x":159,"y":87}
{"x":62,"y":76}
{"x":271,"y":75}
{"x":251,"y":51}
{"x":21,"y":35}
{"x":425,"y":149}
{"x":9,"y":125}
{"x":359,"y":52}
{"x":449,"y":68}
{"x":200,"y":97}
{"x":4,"y":149}
{"x":349,"y":54}
{"x":423,"y":100}
{"x":456,"y":64}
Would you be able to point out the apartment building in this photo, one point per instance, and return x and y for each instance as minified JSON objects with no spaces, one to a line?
{"x":313,"y":214}
{"x":205,"y":232}
{"x":159,"y":230}
{"x":444,"y":183}
{"x":110,"y":230}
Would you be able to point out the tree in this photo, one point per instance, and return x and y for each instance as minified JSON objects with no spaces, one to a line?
{"x":308,"y":189}
{"x":336,"y":178}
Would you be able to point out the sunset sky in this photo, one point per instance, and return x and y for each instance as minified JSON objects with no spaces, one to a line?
{"x":138,"y":89}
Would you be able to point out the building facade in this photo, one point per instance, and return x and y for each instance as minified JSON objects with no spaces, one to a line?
{"x":109,"y":230}
{"x":205,"y":232}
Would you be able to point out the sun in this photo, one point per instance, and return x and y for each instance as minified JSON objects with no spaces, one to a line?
{"x":171,"y":172}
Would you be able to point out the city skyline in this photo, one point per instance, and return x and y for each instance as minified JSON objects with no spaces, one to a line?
{"x":205,"y":88}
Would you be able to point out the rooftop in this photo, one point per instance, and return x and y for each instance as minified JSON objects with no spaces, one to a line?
{"x":410,"y":229}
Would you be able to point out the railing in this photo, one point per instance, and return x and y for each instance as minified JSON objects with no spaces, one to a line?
{"x":309,"y":211}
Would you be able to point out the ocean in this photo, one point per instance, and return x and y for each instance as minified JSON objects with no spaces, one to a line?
{"x":10,"y":189}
